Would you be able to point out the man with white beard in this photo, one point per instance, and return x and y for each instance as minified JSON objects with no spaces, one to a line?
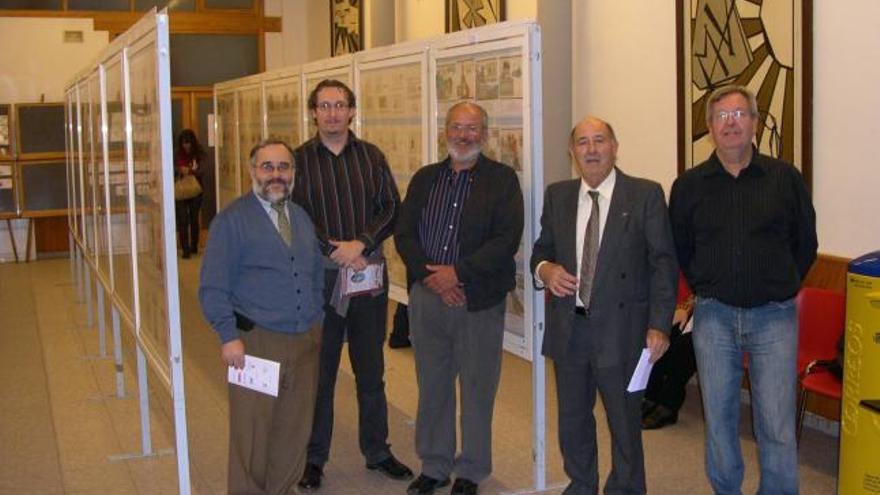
{"x":261,"y":286}
{"x":458,"y":231}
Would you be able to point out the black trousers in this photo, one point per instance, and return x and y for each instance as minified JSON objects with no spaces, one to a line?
{"x":364,"y":328}
{"x":671,"y":373}
{"x":187,"y":216}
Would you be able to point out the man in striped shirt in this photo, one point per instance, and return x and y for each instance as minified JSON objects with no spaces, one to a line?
{"x":345,"y":185}
{"x":459,"y":230}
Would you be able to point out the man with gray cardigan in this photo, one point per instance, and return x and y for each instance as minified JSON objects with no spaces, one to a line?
{"x":262,"y":278}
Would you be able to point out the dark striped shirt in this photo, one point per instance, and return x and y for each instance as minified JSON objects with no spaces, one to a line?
{"x":348,"y":196}
{"x":744,"y":240}
{"x":441,"y":216}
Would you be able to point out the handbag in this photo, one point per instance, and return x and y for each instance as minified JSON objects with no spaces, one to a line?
{"x":186,"y":187}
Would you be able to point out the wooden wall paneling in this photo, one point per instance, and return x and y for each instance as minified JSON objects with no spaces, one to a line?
{"x":828,"y":272}
{"x":214,"y":22}
{"x":50,"y":234}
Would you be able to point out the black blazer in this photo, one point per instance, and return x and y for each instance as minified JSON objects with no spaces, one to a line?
{"x":490,"y":231}
{"x":636,"y":271}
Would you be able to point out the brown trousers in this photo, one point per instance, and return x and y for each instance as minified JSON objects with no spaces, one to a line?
{"x":268,"y":435}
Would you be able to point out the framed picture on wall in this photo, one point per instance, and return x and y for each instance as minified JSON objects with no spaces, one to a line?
{"x":765,"y":47}
{"x":346,"y":26}
{"x":465,"y":14}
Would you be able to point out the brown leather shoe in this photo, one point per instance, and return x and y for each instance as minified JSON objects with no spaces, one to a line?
{"x":661,"y":416}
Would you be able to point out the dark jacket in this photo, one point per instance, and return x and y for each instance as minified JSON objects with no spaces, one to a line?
{"x":634,"y":287}
{"x":489,"y":234}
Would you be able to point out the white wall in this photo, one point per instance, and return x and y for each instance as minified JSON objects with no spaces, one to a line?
{"x":419,"y":19}
{"x":624,"y":70}
{"x":35,"y":62}
{"x":305,"y":32}
{"x":379,"y":25}
{"x":846,"y":126}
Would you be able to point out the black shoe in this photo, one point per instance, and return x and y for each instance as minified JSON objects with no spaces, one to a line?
{"x":398,"y":342}
{"x":648,"y":407}
{"x":392,"y":468}
{"x":425,"y":485}
{"x":311,"y":479}
{"x":463,"y":486}
{"x":659,"y":417}
{"x":186,"y":255}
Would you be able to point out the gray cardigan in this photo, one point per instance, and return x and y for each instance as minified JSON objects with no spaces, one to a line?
{"x":247,"y":268}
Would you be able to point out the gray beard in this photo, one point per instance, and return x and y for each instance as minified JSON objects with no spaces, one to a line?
{"x":463,"y":157}
{"x":258,"y":190}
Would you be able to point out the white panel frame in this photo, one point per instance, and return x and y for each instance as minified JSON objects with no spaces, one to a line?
{"x":152,"y":28}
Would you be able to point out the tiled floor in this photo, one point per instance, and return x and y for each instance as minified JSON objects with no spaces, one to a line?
{"x":62,"y":430}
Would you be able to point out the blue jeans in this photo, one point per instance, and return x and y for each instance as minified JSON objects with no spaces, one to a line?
{"x":768,"y":334}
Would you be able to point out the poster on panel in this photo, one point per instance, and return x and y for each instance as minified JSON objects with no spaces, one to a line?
{"x":90,"y":95}
{"x":149,"y":210}
{"x":120,"y":213}
{"x":391,"y":112}
{"x":494,"y":80}
{"x":283,"y":110}
{"x":250,"y":129}
{"x":102,"y":210}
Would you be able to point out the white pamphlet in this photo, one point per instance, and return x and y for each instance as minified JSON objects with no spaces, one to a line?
{"x":639,"y":380}
{"x":258,"y":374}
{"x":357,"y":282}
{"x":689,"y":327}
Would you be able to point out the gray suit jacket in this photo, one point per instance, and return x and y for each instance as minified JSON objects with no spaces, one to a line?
{"x":636,"y":271}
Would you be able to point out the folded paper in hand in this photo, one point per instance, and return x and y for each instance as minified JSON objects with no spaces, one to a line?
{"x":258,"y":374}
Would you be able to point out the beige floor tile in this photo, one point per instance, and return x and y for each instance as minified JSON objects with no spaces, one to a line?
{"x":104,"y":478}
{"x":80,"y":427}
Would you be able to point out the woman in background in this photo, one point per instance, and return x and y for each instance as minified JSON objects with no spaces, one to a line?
{"x":187,"y":157}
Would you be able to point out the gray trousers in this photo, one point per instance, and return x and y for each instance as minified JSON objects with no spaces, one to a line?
{"x":450,"y":342}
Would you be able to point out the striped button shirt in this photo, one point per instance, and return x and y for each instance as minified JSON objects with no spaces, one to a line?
{"x":348,"y":196}
{"x":441,"y":216}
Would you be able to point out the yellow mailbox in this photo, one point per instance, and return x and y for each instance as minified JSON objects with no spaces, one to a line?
{"x":860,"y":407}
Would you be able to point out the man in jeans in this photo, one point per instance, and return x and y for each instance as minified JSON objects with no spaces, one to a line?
{"x":745,"y":233}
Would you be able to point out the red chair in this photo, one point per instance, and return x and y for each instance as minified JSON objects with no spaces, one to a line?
{"x":821,"y":321}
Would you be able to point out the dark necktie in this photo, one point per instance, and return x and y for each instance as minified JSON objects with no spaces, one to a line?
{"x":591,"y":251}
{"x":283,"y":222}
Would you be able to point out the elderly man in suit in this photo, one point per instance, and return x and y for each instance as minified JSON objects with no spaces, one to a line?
{"x":606,"y":255}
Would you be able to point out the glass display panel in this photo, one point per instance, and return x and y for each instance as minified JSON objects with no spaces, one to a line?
{"x":205,"y":59}
{"x":250,"y":130}
{"x":98,"y":5}
{"x":391,"y":118}
{"x":86,"y":99}
{"x":149,"y":208}
{"x":283,"y":110}
{"x":102,"y":249}
{"x":227,"y":167}
{"x":120,"y":213}
{"x":229,"y":4}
